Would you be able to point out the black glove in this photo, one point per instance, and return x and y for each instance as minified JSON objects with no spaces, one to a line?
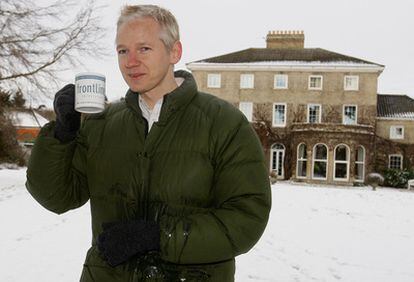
{"x":122,"y":240}
{"x":67,"y":119}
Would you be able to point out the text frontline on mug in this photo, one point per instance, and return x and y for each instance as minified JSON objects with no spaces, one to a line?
{"x":89,"y":92}
{"x":91,"y":88}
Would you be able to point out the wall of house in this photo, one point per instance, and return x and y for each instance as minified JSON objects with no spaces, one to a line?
{"x":332,"y":97}
{"x":330,"y":131}
{"x":27,"y":134}
{"x":384,"y":125}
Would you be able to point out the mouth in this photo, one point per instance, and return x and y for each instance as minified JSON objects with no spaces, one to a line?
{"x":136,"y":75}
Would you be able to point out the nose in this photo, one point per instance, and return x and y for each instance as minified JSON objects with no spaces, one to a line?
{"x":132,"y":60}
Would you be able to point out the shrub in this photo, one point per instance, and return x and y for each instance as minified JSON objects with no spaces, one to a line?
{"x":398,"y":178}
{"x":10,"y":150}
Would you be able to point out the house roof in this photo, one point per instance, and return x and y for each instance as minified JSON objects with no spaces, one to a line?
{"x":253,"y":55}
{"x":395,"y":106}
{"x":28,"y":118}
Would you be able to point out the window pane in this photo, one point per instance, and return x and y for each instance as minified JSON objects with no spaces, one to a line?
{"x":341,"y":153}
{"x":274,"y":160}
{"x":247,"y":109}
{"x":302,"y":151}
{"x":213,"y":80}
{"x":351,"y":82}
{"x":348,"y":82}
{"x":279,"y":171}
{"x":359,"y":171}
{"x":315,"y":82}
{"x":301,"y":168}
{"x":359,"y":157}
{"x":279,"y":114}
{"x":278,"y":147}
{"x":350,"y":115}
{"x":319,"y":169}
{"x":314,"y":112}
{"x":321,"y":152}
{"x":395,"y":162}
{"x":340,"y":170}
{"x":246,"y":81}
{"x":280,"y":81}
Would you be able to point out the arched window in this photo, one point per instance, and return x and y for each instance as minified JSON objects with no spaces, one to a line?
{"x":301,"y":161}
{"x":320,"y":161}
{"x":341,"y":163}
{"x":277,"y":156}
{"x":360,"y":164}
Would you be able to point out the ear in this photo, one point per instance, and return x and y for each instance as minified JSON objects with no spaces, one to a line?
{"x":176,"y":52}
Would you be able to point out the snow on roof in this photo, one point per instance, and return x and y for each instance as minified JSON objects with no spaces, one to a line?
{"x":395,"y":106}
{"x":293,"y":63}
{"x":28,"y":119}
{"x":286,"y":54}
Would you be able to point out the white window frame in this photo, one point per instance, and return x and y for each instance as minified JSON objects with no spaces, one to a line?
{"x":320,"y":160}
{"x":243,"y":106}
{"x":352,"y":87}
{"x":272,"y":151}
{"x":309,"y":82}
{"x":356,"y":114}
{"x":393,"y":132}
{"x":320,"y":113}
{"x":246,"y":81}
{"x":273,"y":115}
{"x":348,"y":152}
{"x":360,"y":163}
{"x":395,"y":155}
{"x":301,"y":160}
{"x":285,"y":76}
{"x":214,"y":80}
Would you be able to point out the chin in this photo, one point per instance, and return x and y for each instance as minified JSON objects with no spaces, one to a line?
{"x":136,"y":88}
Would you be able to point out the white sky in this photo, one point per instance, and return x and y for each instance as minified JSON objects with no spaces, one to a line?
{"x":378,"y":31}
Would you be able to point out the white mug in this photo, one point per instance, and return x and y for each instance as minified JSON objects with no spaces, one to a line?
{"x":89,"y":92}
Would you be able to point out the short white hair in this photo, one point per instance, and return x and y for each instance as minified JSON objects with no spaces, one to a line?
{"x":169,"y":27}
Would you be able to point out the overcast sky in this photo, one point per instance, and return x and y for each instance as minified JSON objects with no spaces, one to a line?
{"x":379,"y":31}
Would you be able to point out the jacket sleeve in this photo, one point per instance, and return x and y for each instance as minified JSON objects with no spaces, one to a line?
{"x":56,"y":172}
{"x":241,"y":206}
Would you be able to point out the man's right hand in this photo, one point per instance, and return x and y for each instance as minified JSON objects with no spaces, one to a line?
{"x":67,"y":119}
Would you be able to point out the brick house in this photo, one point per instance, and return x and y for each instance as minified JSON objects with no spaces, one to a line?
{"x":28,"y":124}
{"x":317,"y":112}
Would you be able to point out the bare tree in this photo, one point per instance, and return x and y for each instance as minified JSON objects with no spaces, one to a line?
{"x":37,"y":42}
{"x":263,"y":125}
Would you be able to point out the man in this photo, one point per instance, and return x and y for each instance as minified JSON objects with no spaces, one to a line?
{"x":176,"y":178}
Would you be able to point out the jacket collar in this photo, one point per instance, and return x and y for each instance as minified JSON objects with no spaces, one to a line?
{"x":173,"y":101}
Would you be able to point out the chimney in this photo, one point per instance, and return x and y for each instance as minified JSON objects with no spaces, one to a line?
{"x":276,"y":39}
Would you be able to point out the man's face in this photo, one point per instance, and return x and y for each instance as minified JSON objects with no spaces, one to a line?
{"x":143,"y":59}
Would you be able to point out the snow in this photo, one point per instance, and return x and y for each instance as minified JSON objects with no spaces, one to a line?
{"x":28,"y":119}
{"x":298,"y":63}
{"x":288,"y":65}
{"x":315,"y":233}
{"x":403,"y":116}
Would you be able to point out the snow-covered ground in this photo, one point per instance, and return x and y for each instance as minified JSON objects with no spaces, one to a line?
{"x":314,"y":234}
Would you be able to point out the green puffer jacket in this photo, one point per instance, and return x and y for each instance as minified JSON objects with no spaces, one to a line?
{"x":199,"y":172}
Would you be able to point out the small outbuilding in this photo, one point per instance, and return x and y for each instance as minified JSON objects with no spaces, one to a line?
{"x":28,"y":124}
